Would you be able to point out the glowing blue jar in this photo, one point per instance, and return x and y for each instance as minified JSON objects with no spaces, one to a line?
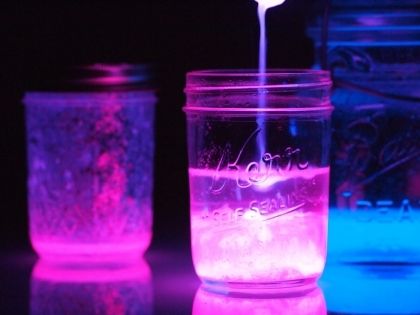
{"x":373,"y":51}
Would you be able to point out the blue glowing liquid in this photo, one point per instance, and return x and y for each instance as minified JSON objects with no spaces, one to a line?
{"x":374,"y":236}
{"x":372,"y":289}
{"x":375,"y":192}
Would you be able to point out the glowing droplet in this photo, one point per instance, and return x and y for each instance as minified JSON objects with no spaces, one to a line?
{"x":270,"y":3}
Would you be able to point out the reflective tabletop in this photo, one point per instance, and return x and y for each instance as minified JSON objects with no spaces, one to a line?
{"x":165,"y":283}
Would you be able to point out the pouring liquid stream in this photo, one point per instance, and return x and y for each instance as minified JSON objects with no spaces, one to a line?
{"x":263,"y":6}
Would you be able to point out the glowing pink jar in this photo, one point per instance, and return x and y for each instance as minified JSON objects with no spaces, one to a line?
{"x":259,"y":174}
{"x":90,"y":162}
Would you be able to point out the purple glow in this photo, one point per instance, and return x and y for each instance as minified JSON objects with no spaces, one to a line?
{"x":90,"y":174}
{"x":262,"y":64}
{"x":117,"y":79}
{"x":114,"y":75}
{"x":275,"y":239}
{"x":91,"y":291}
{"x":372,"y":20}
{"x":206,"y":303}
{"x":262,"y":69}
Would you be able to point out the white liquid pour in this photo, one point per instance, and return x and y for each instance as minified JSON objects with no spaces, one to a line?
{"x":263,"y":6}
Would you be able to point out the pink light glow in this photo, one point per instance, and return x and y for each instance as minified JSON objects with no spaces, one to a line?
{"x":253,"y":235}
{"x":139,"y":271}
{"x":90,"y":291}
{"x":120,"y":250}
{"x":312,"y":303}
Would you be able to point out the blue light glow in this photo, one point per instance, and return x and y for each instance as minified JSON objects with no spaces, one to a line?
{"x":372,"y":43}
{"x":293,"y":128}
{"x":368,"y":289}
{"x":373,"y":51}
{"x":371,"y":235}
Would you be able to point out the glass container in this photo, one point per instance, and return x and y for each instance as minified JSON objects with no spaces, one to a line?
{"x":90,"y":164}
{"x":258,"y":176}
{"x":373,"y":52}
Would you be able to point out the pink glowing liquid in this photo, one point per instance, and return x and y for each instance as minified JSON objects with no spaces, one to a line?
{"x":270,"y":232}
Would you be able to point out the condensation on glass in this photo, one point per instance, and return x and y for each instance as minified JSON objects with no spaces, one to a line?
{"x":258,"y":177}
{"x":373,"y":52}
{"x":90,"y":155}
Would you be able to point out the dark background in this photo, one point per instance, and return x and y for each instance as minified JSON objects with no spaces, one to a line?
{"x":175,"y":35}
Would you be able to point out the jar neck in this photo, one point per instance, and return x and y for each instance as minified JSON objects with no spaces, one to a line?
{"x":247,"y":90}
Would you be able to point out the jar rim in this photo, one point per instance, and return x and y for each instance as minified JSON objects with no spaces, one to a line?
{"x":96,"y":77}
{"x":247,"y":91}
{"x":252,"y":79}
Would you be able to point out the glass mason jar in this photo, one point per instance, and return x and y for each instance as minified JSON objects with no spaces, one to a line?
{"x":258,"y":150}
{"x":373,"y":51}
{"x":90,"y":162}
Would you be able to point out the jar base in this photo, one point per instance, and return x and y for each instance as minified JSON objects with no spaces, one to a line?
{"x":90,"y":253}
{"x":279,"y":288}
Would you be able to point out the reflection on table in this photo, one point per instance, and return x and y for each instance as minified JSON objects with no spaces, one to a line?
{"x":86,"y":290}
{"x":310,"y":303}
